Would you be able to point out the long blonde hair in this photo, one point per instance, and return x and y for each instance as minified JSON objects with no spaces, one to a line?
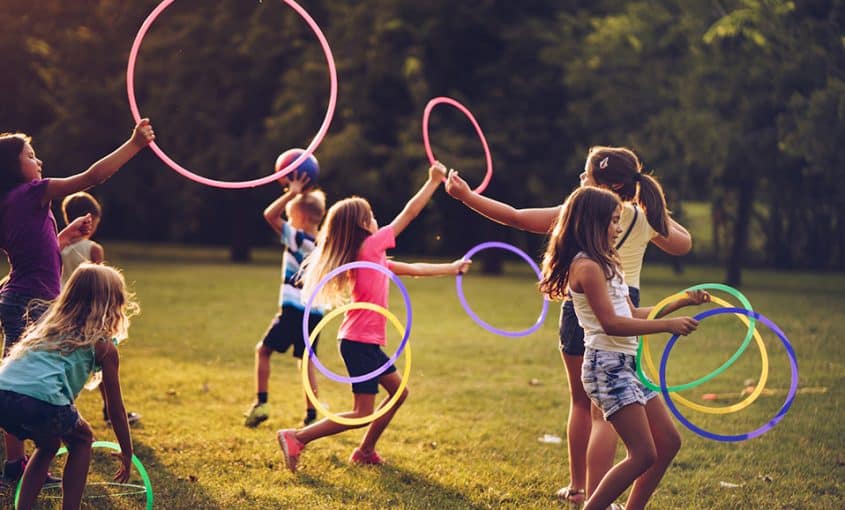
{"x":581,"y":226}
{"x":93,"y":306}
{"x":338,"y":243}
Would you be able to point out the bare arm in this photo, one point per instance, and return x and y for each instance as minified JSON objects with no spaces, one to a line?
{"x":98,"y":254}
{"x":110,"y":361}
{"x":75,"y":230}
{"x":436,"y":175}
{"x":97,"y":173}
{"x":677,"y":242}
{"x":588,"y":277}
{"x":459,"y":266}
{"x":692,"y":298}
{"x":538,"y":220}
{"x":273,"y":212}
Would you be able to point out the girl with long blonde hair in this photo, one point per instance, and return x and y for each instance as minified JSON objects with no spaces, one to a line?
{"x":45,"y":371}
{"x":351,"y":233}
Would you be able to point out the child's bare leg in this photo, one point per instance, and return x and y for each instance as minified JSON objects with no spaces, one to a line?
{"x":667,"y":441}
{"x":578,"y":424}
{"x":363,"y":407}
{"x":312,"y":380}
{"x":36,"y":471}
{"x":601,"y":451}
{"x":631,"y":423}
{"x":389,"y":382}
{"x":76,"y":468}
{"x":262,"y":367}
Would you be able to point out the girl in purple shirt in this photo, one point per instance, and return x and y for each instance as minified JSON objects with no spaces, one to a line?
{"x":29,"y":237}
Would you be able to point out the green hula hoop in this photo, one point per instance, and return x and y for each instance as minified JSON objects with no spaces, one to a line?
{"x":148,"y":487}
{"x":751,"y":325}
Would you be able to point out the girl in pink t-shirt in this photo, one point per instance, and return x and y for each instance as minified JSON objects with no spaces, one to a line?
{"x":350,"y":233}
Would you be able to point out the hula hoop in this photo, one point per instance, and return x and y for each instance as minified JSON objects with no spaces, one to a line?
{"x":764,"y":373}
{"x":148,"y":487}
{"x":318,"y":138}
{"x":460,"y":289}
{"x":427,"y":143}
{"x":643,"y":344}
{"x":305,"y":334}
{"x":402,"y":383}
{"x":793,"y":363}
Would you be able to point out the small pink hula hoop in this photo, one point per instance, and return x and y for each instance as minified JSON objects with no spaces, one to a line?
{"x":130,"y":90}
{"x":448,"y":100}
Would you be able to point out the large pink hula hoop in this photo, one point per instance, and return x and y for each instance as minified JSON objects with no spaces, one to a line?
{"x":448,"y":100}
{"x":130,"y":90}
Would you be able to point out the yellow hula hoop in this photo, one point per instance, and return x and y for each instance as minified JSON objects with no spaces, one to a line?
{"x":307,"y":356}
{"x":764,"y":373}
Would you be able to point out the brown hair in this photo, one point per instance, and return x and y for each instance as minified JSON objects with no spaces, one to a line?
{"x":581,"y":226}
{"x":338,"y":243}
{"x":11,"y":146}
{"x":79,"y":204}
{"x":620,"y":170}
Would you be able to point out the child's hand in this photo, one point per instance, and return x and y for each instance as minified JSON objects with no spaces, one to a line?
{"x":298,"y":182}
{"x":682,"y":325}
{"x":125,"y":468}
{"x":457,"y":187}
{"x":437,"y":172}
{"x":143,"y":133}
{"x":461,"y":266}
{"x":78,"y":228}
{"x":697,"y":297}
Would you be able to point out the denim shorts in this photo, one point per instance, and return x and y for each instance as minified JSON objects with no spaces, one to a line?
{"x":286,"y":330}
{"x":16,"y":312}
{"x":29,"y":418}
{"x":610,"y":380}
{"x":361,"y":358}
{"x":571,"y":333}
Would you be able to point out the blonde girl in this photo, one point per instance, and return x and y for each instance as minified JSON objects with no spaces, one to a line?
{"x":45,"y":371}
{"x":581,"y":261}
{"x":351,"y":233}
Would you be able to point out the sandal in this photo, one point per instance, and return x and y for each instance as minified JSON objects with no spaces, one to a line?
{"x":571,"y":496}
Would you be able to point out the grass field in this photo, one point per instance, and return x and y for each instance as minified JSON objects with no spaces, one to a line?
{"x":467,"y":437}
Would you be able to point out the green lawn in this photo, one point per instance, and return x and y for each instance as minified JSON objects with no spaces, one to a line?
{"x":467,"y":437}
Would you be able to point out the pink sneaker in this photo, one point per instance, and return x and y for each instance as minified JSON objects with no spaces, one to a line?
{"x":291,"y":447}
{"x":366,"y":459}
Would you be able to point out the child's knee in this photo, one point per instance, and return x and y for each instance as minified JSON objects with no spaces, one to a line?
{"x":669,"y":444}
{"x":81,"y":436}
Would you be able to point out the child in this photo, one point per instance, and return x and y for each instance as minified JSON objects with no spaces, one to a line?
{"x":581,"y":260}
{"x":80,"y":205}
{"x":349,"y":234}
{"x":305,"y":211}
{"x":646,"y":221}
{"x":28,"y":236}
{"x":46,"y":369}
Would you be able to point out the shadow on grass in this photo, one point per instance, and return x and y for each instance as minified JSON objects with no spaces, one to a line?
{"x":169,"y":490}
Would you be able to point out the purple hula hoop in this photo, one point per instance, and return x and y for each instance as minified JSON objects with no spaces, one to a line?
{"x":307,"y":334}
{"x":793,"y":387}
{"x":475,"y":317}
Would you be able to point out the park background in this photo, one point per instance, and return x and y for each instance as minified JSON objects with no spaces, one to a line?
{"x":738,"y":107}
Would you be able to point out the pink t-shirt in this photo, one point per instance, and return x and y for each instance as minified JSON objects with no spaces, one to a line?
{"x":370,"y":286}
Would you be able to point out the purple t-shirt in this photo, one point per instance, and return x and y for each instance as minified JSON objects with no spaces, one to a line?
{"x":29,"y":237}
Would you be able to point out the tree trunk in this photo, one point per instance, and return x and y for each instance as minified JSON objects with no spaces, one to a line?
{"x":742,"y":221}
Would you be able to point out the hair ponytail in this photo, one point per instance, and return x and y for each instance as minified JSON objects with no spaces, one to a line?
{"x":652,"y":199}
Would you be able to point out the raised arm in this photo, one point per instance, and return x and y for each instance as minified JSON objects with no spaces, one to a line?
{"x":273,"y":212}
{"x":588,"y":277}
{"x":110,"y":361}
{"x":436,"y":175}
{"x":538,"y":220}
{"x":459,"y":266}
{"x":678,"y":242}
{"x":97,"y":173}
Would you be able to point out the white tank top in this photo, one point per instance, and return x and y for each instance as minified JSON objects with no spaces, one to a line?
{"x":594,"y":335}
{"x":73,"y":255}
{"x":632,"y":251}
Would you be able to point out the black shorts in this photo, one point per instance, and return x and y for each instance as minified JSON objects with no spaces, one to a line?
{"x":286,"y":330}
{"x":29,"y":418}
{"x":361,"y":358}
{"x":571,"y":333}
